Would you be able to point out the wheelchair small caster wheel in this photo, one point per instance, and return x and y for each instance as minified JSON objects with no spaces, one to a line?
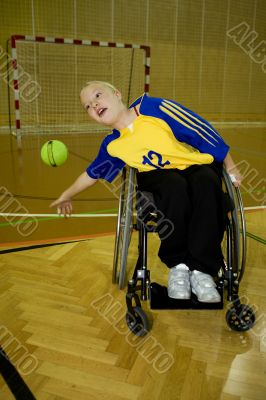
{"x":137,"y":321}
{"x":241,"y":318}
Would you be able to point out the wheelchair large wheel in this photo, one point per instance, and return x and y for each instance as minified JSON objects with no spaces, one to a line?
{"x":124,"y":227}
{"x":137,"y":321}
{"x":240,"y":318}
{"x":238,"y":229}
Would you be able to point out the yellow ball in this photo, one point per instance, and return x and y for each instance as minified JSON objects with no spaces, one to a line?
{"x":54,"y":153}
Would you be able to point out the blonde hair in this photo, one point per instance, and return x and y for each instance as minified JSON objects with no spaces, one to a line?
{"x":102,"y":83}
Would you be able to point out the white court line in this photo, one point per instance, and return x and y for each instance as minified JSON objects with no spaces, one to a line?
{"x":255,"y":208}
{"x":89,"y":215}
{"x":56,"y":215}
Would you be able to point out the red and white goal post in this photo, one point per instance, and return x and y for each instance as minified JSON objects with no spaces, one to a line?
{"x":49,"y":72}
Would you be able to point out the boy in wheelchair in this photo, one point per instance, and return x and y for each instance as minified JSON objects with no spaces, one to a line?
{"x":179,"y":157}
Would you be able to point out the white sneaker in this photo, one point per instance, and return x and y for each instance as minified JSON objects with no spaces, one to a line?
{"x":204,"y":287}
{"x":178,"y":282}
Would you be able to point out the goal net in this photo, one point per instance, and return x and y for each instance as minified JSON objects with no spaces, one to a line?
{"x":48,"y":74}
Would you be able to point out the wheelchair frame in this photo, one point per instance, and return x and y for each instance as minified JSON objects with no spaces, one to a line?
{"x":239,"y":317}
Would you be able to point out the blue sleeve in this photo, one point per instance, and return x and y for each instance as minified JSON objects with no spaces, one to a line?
{"x":105,"y":166}
{"x":187,"y":126}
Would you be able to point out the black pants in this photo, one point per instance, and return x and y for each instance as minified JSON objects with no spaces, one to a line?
{"x":192,"y":200}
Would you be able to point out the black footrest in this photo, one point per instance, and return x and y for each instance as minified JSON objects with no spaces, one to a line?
{"x":159,"y":300}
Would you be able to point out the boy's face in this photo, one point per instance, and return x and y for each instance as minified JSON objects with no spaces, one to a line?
{"x":101,"y":103}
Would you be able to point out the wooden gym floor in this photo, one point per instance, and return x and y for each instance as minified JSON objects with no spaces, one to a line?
{"x":61,"y":314}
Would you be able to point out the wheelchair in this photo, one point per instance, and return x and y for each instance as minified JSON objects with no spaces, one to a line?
{"x":239,"y":317}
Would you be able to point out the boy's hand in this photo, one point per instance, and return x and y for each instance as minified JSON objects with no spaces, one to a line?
{"x":64,"y":206}
{"x":235,"y":176}
{"x":63,"y":203}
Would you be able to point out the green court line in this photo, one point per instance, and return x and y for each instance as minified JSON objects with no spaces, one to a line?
{"x":2,"y":225}
{"x":253,"y":191}
{"x":100,"y":211}
{"x":255,"y":237}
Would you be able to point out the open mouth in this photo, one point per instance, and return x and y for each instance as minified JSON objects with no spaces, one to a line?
{"x":101,"y":112}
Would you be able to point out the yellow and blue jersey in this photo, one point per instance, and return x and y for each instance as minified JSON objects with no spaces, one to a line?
{"x":164,"y":135}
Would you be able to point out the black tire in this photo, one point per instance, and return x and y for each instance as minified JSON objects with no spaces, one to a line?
{"x":240,"y":319}
{"x":238,"y":226}
{"x":124,"y":228}
{"x":118,"y":237}
{"x":138,"y":322}
{"x":127,"y":229}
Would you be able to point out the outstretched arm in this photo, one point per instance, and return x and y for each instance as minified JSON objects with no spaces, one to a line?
{"x":63,"y":203}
